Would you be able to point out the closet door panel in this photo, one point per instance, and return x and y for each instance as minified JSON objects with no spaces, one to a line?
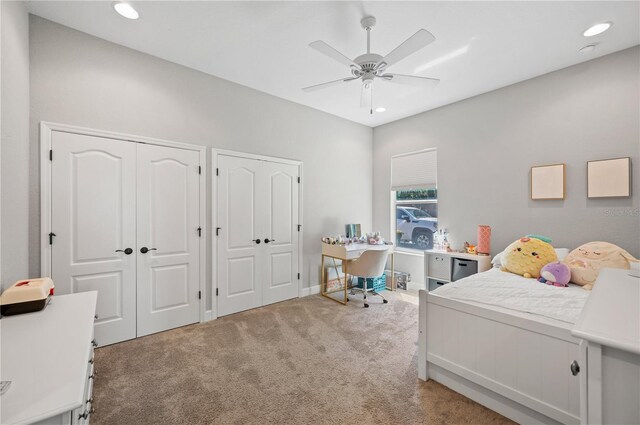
{"x":280,"y":209}
{"x":239,"y":266}
{"x":168,"y":241}
{"x":93,"y":215}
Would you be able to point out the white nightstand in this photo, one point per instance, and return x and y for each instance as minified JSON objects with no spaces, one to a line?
{"x":441,"y":267}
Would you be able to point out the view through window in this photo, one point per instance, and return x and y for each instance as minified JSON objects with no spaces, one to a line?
{"x":416,"y":218}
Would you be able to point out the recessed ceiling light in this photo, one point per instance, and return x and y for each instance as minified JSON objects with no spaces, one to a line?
{"x":587,"y":49}
{"x":597,"y":29}
{"x":126,"y":10}
{"x":380,"y":109}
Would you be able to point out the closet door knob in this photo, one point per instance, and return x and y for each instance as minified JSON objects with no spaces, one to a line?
{"x":144,"y":249}
{"x":575,"y":368}
{"x":127,"y":251}
{"x":257,"y":241}
{"x":267,"y":240}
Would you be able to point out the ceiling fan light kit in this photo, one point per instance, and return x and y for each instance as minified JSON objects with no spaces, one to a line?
{"x":370,"y":66}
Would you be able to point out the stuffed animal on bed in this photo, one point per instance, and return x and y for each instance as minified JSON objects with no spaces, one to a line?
{"x":586,"y":261}
{"x":556,"y":274}
{"x":527,"y":256}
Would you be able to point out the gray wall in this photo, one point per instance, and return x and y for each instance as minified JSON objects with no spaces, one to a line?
{"x":85,"y":81}
{"x":487,"y":144}
{"x":14,"y":186}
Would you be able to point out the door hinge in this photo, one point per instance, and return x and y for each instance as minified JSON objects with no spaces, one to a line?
{"x":199,"y":295}
{"x":51,"y":235}
{"x":216,"y":292}
{"x":50,"y":154}
{"x":298,"y":276}
{"x":217,"y":171}
{"x":199,"y":232}
{"x":199,"y":169}
{"x":299,"y":227}
{"x":298,"y":179}
{"x":218,"y":230}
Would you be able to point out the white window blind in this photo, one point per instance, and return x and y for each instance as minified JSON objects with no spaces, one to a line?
{"x":414,"y":170}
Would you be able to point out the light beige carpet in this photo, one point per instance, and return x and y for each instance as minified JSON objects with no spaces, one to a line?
{"x":305,"y":361}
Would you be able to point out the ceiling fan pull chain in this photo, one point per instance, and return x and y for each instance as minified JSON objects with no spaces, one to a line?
{"x":371,"y":104}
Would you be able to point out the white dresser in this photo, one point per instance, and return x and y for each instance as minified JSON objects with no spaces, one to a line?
{"x":609,"y":364}
{"x":48,"y":357}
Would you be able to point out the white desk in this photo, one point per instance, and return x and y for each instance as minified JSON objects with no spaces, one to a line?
{"x":47,"y":357}
{"x":344,"y":253}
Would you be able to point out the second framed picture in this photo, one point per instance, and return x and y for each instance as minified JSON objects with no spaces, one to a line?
{"x":609,"y":178}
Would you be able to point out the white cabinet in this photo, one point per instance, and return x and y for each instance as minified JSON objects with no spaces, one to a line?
{"x":609,"y":363}
{"x":442,"y":267}
{"x":48,"y":357}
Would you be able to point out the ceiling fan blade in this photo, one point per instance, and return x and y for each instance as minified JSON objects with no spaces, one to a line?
{"x":413,"y":80}
{"x":411,"y":45}
{"x":324,"y":48}
{"x":365,"y":96}
{"x":328,"y":84}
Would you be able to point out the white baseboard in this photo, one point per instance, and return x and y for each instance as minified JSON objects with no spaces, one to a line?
{"x":208,"y":315}
{"x":416,"y":286}
{"x":312,"y":290}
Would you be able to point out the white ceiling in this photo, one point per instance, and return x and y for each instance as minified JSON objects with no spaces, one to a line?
{"x":479,"y":47}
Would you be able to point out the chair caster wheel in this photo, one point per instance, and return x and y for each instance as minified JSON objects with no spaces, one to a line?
{"x":385,"y":301}
{"x":366,"y":306}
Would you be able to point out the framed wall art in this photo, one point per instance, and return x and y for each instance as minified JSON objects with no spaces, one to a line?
{"x":548,"y":181}
{"x":609,"y":178}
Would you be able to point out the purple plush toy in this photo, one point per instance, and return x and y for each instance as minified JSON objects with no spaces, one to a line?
{"x":556,"y":274}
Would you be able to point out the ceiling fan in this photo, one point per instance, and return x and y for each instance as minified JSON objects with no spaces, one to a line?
{"x":371,"y":66}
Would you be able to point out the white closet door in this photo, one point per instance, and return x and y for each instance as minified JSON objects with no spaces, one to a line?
{"x":168,"y":215}
{"x":240,"y":237}
{"x":93,"y":187}
{"x":281,"y":219}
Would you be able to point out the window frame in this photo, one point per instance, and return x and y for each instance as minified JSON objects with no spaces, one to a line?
{"x":395,"y":204}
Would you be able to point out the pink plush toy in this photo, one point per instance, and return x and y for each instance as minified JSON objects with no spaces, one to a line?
{"x":556,"y":274}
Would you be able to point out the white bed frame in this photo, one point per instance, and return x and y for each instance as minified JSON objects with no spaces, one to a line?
{"x":514,"y":363}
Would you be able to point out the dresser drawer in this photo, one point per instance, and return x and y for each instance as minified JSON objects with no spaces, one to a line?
{"x":438,"y":266}
{"x":435,"y":284}
{"x":463,"y":268}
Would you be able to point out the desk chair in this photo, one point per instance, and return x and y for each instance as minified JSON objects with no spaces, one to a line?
{"x":370,"y":264}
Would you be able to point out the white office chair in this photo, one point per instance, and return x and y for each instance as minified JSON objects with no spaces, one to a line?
{"x":370,"y":264}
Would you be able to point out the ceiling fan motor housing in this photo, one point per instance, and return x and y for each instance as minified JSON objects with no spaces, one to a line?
{"x":367,"y":63}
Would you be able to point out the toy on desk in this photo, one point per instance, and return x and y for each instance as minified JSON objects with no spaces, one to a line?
{"x":26,"y":296}
{"x":375,"y":239}
{"x":556,"y":274}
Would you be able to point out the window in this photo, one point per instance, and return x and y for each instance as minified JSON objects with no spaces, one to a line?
{"x":415,"y":198}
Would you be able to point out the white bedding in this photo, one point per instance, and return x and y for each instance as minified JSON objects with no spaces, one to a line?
{"x":514,"y":292}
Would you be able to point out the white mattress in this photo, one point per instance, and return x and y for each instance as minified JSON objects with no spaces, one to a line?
{"x":514,"y":292}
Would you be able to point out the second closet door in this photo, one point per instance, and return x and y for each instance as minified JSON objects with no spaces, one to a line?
{"x":168,"y":241}
{"x":257,"y":207}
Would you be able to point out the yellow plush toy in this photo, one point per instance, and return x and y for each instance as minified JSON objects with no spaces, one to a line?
{"x":527,"y":256}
